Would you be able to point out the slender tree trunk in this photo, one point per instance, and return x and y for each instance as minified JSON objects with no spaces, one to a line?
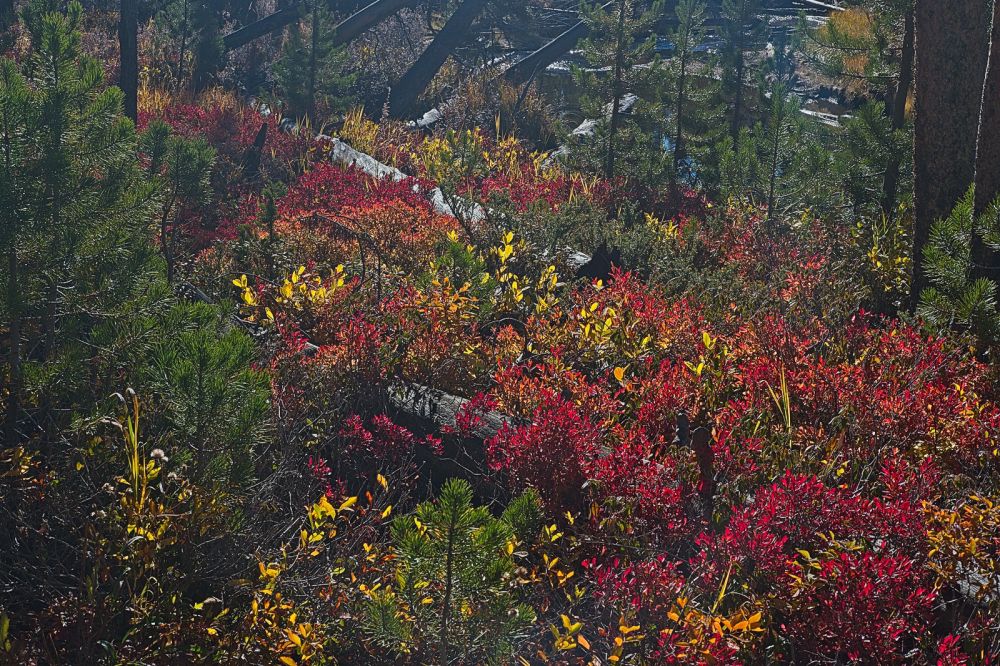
{"x":986,"y":262}
{"x":952,"y":48}
{"x":446,"y":610}
{"x":7,"y":14}
{"x":403,"y":97}
{"x":14,"y":343}
{"x":128,"y":77}
{"x":314,"y":45}
{"x":679,"y":150}
{"x":890,"y":183}
{"x":207,"y":48}
{"x":771,"y":199}
{"x":186,"y":26}
{"x":13,"y":295}
{"x":737,"y":120}
{"x":616,"y":90}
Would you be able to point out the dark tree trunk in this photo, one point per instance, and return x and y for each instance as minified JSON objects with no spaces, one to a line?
{"x":616,"y":91}
{"x":7,"y":14}
{"x":313,"y":64}
{"x":403,"y":98}
{"x":952,"y":48}
{"x":679,"y":150}
{"x":14,"y":351}
{"x":737,"y":120}
{"x":525,"y":69}
{"x":890,"y":184}
{"x":986,"y":261}
{"x":128,"y":77}
{"x":207,"y":48}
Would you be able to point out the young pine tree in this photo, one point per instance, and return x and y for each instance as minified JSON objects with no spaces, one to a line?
{"x":310,"y":73}
{"x":453,"y":601}
{"x":779,"y":162}
{"x":74,"y":207}
{"x":956,"y":299}
{"x":621,"y":73}
{"x":870,"y":47}
{"x":212,"y":403}
{"x":191,"y":32}
{"x":181,"y":169}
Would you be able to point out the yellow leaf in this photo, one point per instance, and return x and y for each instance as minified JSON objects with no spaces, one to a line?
{"x":620,"y":374}
{"x":212,"y":631}
{"x":348,"y":503}
{"x":388,"y":510}
{"x":584,"y":643}
{"x":382,"y":482}
{"x":288,"y":661}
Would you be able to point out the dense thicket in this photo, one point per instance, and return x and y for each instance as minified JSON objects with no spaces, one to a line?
{"x":632,"y":333}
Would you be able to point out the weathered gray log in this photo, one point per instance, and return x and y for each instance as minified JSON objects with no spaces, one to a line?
{"x":442,"y":408}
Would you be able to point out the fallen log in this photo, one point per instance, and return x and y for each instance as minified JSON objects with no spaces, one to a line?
{"x":342,"y":153}
{"x":344,"y":33}
{"x":403,"y":97}
{"x":526,"y":68}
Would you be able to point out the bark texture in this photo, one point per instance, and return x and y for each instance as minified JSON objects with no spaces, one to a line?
{"x":952,"y":47}
{"x":128,"y":76}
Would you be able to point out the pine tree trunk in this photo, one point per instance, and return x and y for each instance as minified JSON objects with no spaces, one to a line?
{"x":13,"y":295}
{"x":128,"y":77}
{"x":616,"y":90}
{"x":186,"y":14}
{"x":679,"y":151}
{"x":403,"y":98}
{"x":771,"y":199}
{"x":206,"y":50}
{"x":7,"y":14}
{"x":14,"y":343}
{"x":314,"y":45}
{"x":737,"y":120}
{"x":890,"y":183}
{"x":446,"y":610}
{"x":986,"y":262}
{"x":952,"y":47}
